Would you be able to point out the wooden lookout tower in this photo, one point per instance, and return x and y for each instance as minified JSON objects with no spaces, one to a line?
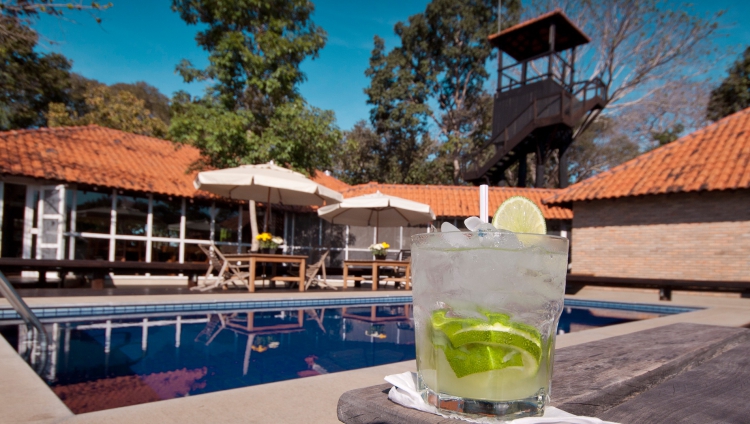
{"x":538,"y":101}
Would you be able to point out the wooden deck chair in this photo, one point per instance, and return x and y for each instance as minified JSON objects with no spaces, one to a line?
{"x":311,"y":274}
{"x":229,"y":272}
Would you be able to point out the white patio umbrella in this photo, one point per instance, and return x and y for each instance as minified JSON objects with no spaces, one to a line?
{"x":377,"y":209}
{"x":266,"y":183}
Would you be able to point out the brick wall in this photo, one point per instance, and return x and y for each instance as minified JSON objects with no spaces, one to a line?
{"x":682,"y":236}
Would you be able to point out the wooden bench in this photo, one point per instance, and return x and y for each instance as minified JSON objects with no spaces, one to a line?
{"x":665,"y":286}
{"x":99,"y":269}
{"x":680,"y":373}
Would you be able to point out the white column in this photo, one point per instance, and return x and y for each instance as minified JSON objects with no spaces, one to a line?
{"x":182,"y":230}
{"x":149,"y":226}
{"x":72,"y":229}
{"x":28,"y":222}
{"x":113,"y":226}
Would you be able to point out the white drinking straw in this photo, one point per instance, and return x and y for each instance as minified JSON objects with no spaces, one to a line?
{"x":484,"y":197}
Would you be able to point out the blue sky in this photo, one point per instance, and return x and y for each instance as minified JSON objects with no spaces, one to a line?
{"x":143,"y":40}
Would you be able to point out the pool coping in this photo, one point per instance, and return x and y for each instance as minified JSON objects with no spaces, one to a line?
{"x":9,"y":315}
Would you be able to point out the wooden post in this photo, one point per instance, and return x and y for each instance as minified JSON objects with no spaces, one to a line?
{"x":522,"y":170}
{"x":541,"y":160}
{"x":551,"y":48}
{"x":563,"y":167}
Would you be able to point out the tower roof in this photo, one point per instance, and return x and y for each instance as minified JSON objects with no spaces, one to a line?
{"x":530,"y":38}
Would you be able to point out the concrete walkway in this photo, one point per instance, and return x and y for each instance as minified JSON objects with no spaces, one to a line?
{"x":24,"y":398}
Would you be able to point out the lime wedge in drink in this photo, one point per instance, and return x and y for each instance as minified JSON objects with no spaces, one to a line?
{"x":520,"y":215}
{"x":473,"y":345}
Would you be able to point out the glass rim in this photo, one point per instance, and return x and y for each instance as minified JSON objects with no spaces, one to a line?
{"x":432,"y":234}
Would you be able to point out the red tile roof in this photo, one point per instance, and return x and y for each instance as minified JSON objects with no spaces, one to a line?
{"x":331,"y":182}
{"x":714,"y":158}
{"x":461,"y":201}
{"x":100,"y":156}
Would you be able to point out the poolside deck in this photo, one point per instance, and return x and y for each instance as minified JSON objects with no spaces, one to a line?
{"x":311,"y":400}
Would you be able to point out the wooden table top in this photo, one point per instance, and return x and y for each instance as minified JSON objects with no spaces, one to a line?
{"x":680,"y":373}
{"x":240,"y":256}
{"x":370,"y":262}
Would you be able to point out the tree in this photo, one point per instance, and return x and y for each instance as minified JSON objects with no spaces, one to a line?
{"x":599,"y":149}
{"x":29,"y":81}
{"x":436,"y":77}
{"x":637,"y":48}
{"x":733,"y":94}
{"x":252,"y":112}
{"x":156,"y":102}
{"x":109,"y":108}
{"x":357,"y":160}
{"x":15,"y":14}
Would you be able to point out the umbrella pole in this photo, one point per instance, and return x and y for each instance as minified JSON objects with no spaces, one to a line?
{"x":268,"y":211}
{"x":377,"y":225}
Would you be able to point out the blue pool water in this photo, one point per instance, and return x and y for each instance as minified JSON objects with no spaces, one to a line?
{"x":127,"y":358}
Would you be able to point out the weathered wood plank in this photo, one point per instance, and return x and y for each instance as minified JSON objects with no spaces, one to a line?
{"x":594,"y":377}
{"x":716,"y":391}
{"x":371,"y":405}
{"x":589,"y":379}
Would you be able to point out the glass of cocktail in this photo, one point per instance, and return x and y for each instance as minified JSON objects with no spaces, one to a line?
{"x":486,"y":307}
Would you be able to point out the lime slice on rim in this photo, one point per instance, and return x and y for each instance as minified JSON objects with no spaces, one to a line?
{"x":474,"y":345}
{"x":520,"y":215}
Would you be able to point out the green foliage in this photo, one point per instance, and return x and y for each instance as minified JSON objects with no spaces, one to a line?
{"x":29,"y":81}
{"x":663,"y":138}
{"x":109,"y":108}
{"x":733,"y":95}
{"x":435,"y":77}
{"x":297,"y":134}
{"x":156,"y":102}
{"x":255,"y":48}
{"x":220,"y":134}
{"x":252,"y":112}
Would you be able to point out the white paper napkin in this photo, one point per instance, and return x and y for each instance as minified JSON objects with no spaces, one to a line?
{"x":404,"y":392}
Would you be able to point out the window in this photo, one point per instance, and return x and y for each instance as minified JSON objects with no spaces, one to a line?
{"x":130,"y":250}
{"x":165,"y":252}
{"x":227,"y":222}
{"x":132,"y":215}
{"x":91,"y":248}
{"x":93,"y":212}
{"x":167,"y":213}
{"x":197,"y":221}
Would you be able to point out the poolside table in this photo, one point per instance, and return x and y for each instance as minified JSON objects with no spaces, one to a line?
{"x":680,"y":373}
{"x":375,"y":264}
{"x":255,"y":258}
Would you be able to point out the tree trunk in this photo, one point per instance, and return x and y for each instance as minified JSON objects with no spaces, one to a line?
{"x":456,"y":170}
{"x":253,"y":226}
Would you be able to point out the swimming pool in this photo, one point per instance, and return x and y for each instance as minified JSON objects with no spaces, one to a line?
{"x":131,"y":354}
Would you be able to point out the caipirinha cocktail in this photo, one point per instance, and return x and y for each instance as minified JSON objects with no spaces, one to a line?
{"x":486,"y":306}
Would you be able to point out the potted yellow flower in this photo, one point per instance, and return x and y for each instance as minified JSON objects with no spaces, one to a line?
{"x":379,"y":250}
{"x":268,"y":242}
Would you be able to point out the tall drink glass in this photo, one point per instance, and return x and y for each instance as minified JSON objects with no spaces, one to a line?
{"x":486,"y":308}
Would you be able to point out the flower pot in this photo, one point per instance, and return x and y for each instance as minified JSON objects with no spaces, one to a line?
{"x":380,"y":257}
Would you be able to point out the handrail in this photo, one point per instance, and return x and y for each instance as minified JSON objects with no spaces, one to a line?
{"x":28,"y":316}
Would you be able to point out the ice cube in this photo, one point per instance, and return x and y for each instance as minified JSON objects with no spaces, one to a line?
{"x":472,"y":223}
{"x":448,"y":227}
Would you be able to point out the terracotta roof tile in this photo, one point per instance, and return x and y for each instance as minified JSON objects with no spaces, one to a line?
{"x":330,"y":182}
{"x":460,"y":201}
{"x":713,"y":158}
{"x":100,"y":156}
